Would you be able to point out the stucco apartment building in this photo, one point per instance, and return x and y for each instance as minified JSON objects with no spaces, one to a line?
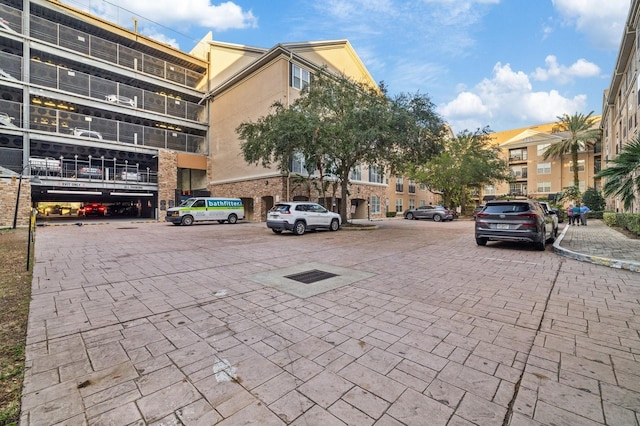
{"x":621,"y":99}
{"x":534,"y":176}
{"x":92,"y":112}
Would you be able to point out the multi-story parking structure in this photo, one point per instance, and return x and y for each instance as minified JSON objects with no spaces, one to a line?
{"x":93,"y":112}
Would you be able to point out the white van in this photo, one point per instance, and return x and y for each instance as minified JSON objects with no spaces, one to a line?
{"x":199,"y":209}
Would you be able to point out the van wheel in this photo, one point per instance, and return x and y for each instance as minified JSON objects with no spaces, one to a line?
{"x":221,"y":221}
{"x":334,"y":225}
{"x":299,"y":228}
{"x":187,"y":220}
{"x":276,"y":231}
{"x":232,"y":218}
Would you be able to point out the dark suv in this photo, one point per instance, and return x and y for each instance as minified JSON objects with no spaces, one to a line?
{"x":515,"y":220}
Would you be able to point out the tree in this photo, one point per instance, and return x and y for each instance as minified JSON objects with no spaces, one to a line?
{"x":622,"y":175}
{"x":571,"y":194}
{"x":593,"y":199}
{"x":468,"y":160}
{"x":337,"y":123}
{"x":581,"y":135}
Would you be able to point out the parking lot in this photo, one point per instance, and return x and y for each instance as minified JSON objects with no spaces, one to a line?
{"x":411,"y":323}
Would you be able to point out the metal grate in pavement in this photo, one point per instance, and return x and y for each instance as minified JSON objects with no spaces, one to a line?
{"x":311,"y":276}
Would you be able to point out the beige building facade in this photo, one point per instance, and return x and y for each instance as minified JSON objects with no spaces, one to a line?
{"x":621,"y":100}
{"x":534,"y":176}
{"x":255,"y":80}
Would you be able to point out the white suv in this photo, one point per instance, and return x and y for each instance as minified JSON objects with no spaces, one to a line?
{"x":300,"y":216}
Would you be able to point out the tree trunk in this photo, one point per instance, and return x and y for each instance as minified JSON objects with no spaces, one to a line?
{"x":344,"y":187}
{"x":574,"y":161}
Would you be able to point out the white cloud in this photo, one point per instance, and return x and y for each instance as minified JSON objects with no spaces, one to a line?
{"x":161,"y":16}
{"x":506,"y":101}
{"x":602,"y":22}
{"x":562,"y":74}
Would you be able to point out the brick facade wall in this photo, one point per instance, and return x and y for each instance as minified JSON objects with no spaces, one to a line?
{"x":259,"y":194}
{"x":167,"y":180}
{"x":8,"y":193}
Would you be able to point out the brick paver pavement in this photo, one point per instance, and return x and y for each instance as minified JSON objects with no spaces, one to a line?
{"x":156,"y":324}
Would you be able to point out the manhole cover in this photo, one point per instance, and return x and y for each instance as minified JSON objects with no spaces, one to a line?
{"x":310,"y":277}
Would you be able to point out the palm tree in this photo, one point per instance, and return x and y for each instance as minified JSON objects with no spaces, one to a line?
{"x":622,"y":179}
{"x":581,"y":135}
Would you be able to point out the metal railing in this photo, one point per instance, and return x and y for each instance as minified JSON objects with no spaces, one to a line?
{"x":91,"y":169}
{"x":48,"y":119}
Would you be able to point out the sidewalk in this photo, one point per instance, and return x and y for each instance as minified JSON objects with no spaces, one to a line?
{"x":597,"y":243}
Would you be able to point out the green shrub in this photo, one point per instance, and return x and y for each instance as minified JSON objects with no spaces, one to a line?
{"x":628,"y":221}
{"x":392,"y":214}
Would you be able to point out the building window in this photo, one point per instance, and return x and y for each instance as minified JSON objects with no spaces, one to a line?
{"x":519,"y":154}
{"x":399,"y":184}
{"x":423,"y":187}
{"x":580,"y":166}
{"x":299,"y":77}
{"x":519,"y":172}
{"x":297,"y":163}
{"x":518,"y":189}
{"x":544,"y":168}
{"x":489,"y":190}
{"x":581,"y":186}
{"x":375,"y":174}
{"x":423,"y":203}
{"x":356,"y":172}
{"x":375,"y":204}
{"x":412,"y":187}
{"x":412,"y":203}
{"x":542,"y":148}
{"x":544,"y":187}
{"x":399,"y":205}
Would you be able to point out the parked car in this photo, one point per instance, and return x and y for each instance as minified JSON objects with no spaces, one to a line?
{"x":300,"y":216}
{"x":90,"y":172}
{"x":116,"y":99}
{"x":130,"y":175}
{"x":437,"y":213}
{"x":477,"y":210}
{"x":93,"y":209}
{"x":45,"y":166}
{"x":552,"y":212}
{"x":515,"y":220}
{"x":6,"y":120}
{"x":87,"y":133}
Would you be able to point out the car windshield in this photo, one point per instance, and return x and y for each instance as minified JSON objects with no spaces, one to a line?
{"x":506,"y":208}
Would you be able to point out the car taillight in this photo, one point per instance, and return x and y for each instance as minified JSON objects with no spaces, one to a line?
{"x":481,"y":215}
{"x":533,"y":216}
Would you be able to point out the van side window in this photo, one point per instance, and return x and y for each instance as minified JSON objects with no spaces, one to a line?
{"x":199,"y":203}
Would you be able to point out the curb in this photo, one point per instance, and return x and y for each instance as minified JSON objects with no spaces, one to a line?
{"x":604,"y":261}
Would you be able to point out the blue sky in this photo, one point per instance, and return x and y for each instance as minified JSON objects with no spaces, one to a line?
{"x":499,"y":63}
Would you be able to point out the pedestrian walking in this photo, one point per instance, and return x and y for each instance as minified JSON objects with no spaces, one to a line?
{"x":570,"y":214}
{"x":583,"y":214}
{"x":576,"y":214}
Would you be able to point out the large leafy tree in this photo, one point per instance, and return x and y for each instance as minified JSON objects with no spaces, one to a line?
{"x":622,"y":175}
{"x":580,"y":136}
{"x":468,"y":160}
{"x":337,"y":123}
